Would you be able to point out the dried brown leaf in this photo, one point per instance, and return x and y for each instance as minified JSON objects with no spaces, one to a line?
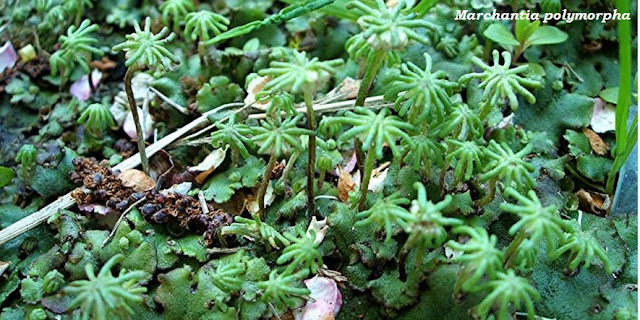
{"x":597,"y":144}
{"x":209,"y":164}
{"x":136,"y":180}
{"x":347,"y":89}
{"x":254,"y":87}
{"x":332,"y":274}
{"x":160,"y":165}
{"x":345,"y":185}
{"x":594,"y":202}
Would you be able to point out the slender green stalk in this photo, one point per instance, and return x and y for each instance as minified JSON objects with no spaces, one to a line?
{"x":359,"y":154}
{"x":443,"y":174}
{"x":465,"y":273}
{"x":235,"y":157}
{"x":373,"y":64}
{"x":445,"y":169}
{"x":296,"y":9}
{"x":290,"y":163}
{"x":624,"y":96}
{"x":370,"y":74}
{"x":311,"y":165}
{"x":625,"y":140}
{"x":582,"y":179}
{"x":265,"y":184}
{"x":423,"y":7}
{"x":519,"y":52}
{"x":78,"y":12}
{"x":201,"y":51}
{"x":492,"y":194}
{"x":136,"y":118}
{"x":403,"y":156}
{"x":335,"y":9}
{"x":366,"y":177}
{"x":513,"y":246}
{"x":63,"y":80}
{"x":321,"y":178}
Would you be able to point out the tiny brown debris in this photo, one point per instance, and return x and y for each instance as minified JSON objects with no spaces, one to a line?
{"x":98,"y":177}
{"x":103,"y":65}
{"x":287,"y":316}
{"x":125,"y":147}
{"x":117,"y":191}
{"x":277,"y":170}
{"x":592,"y":46}
{"x":36,"y":67}
{"x":597,"y":144}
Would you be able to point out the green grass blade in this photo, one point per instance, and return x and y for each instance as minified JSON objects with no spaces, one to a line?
{"x":624,"y":97}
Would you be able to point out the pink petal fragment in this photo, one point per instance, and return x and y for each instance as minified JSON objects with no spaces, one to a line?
{"x":81,"y":89}
{"x":95,"y":208}
{"x":349,"y":166}
{"x":8,"y":56}
{"x":604,"y":117}
{"x":325,"y":300}
{"x":129,"y":126}
{"x":319,"y":310}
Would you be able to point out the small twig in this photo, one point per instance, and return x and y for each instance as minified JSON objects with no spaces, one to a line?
{"x":379,"y":169}
{"x":566,"y":65}
{"x":145,"y":110}
{"x":197,"y":142}
{"x":273,"y":309}
{"x":203,"y":202}
{"x":115,"y":227}
{"x":34,"y":219}
{"x":211,"y":126}
{"x":133,"y":108}
{"x":580,"y":218}
{"x":326,"y":197}
{"x":226,"y":250}
{"x":328,"y":98}
{"x":348,"y":104}
{"x":169,"y":101}
{"x":535,"y":317}
{"x":91,"y":86}
{"x":36,"y":40}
